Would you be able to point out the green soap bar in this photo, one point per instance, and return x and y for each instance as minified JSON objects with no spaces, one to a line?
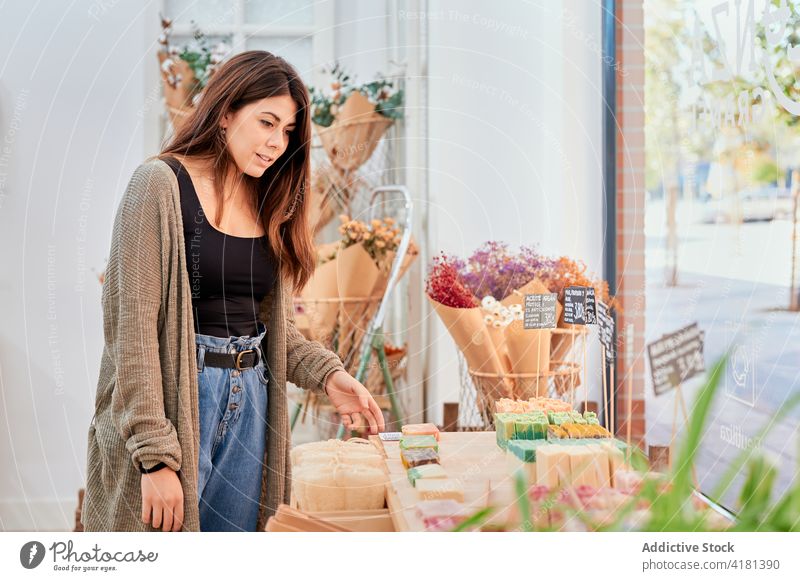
{"x":504,"y":424}
{"x":540,"y":431}
{"x":523,"y":430}
{"x":587,"y":414}
{"x":593,"y":421}
{"x":416,"y":442}
{"x":525,"y":450}
{"x":558,"y":418}
{"x":426,"y":471}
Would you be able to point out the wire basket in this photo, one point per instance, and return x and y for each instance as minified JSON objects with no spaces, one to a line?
{"x":480,"y":390}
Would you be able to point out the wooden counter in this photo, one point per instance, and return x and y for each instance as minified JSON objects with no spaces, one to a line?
{"x":472,"y":457}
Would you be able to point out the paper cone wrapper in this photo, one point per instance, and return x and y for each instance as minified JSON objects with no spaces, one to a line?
{"x":321,"y":316}
{"x":468,"y":330}
{"x":534,"y":286}
{"x":529,"y":352}
{"x":178,"y":99}
{"x":356,"y":274}
{"x":352,"y":138}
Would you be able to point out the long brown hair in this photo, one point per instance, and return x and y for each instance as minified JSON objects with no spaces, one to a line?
{"x":279,"y":195}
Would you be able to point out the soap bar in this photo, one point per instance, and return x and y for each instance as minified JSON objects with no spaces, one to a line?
{"x":504,"y":426}
{"x":580,"y":464}
{"x":425,"y":471}
{"x":600,"y":465}
{"x":418,"y":457}
{"x":417,"y":442}
{"x":616,"y":460}
{"x":552,"y":465}
{"x":440,"y":515}
{"x":525,"y":450}
{"x":421,"y":430}
{"x":440,"y":489}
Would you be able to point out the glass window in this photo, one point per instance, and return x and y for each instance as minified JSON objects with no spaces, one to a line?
{"x":279,"y":12}
{"x":722,"y":145}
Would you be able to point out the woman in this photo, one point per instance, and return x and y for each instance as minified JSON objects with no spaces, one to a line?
{"x":210,"y":240}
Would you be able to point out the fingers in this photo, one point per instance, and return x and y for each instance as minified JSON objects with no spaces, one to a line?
{"x":346,"y":420}
{"x":146,"y":510}
{"x":373,"y":425}
{"x":377,"y":414}
{"x":356,"y":421}
{"x":167,"y":520}
{"x":157,"y":516}
{"x":177,"y":525}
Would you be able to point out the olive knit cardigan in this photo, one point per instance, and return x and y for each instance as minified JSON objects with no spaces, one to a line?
{"x":146,"y":408}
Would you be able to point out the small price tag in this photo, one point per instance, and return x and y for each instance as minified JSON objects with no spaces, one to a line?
{"x":390,"y":436}
{"x":540,"y":311}
{"x":579,"y":305}
{"x":605,"y":326}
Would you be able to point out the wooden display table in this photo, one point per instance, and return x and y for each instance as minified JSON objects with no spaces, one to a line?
{"x":474,"y":458}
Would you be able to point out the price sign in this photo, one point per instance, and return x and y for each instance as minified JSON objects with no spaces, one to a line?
{"x":540,"y":311}
{"x":676,"y":357}
{"x":579,"y":305}
{"x":605,"y":326}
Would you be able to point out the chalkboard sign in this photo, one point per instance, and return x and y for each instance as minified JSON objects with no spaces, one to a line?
{"x":579,"y":305}
{"x":591,"y":306}
{"x":540,"y":311}
{"x":605,"y":327}
{"x":676,"y":357}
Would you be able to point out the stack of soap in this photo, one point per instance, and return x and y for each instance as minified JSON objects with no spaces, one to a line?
{"x":573,"y":430}
{"x":418,"y":457}
{"x":504,"y":428}
{"x":421,"y":430}
{"x":425,"y":471}
{"x":530,"y":427}
{"x":419,"y":442}
{"x":440,"y":489}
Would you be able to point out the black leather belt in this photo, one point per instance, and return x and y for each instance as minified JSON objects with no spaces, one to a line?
{"x":240,"y":360}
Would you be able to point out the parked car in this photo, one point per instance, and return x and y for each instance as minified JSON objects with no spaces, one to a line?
{"x":756,"y":204}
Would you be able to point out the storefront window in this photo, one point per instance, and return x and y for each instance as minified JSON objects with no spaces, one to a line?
{"x":722,"y":131}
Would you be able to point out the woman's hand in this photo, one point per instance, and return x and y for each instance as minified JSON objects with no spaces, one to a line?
{"x":162,"y":495}
{"x":352,"y":401}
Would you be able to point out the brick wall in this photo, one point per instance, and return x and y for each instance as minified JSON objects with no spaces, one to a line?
{"x":630,"y":216}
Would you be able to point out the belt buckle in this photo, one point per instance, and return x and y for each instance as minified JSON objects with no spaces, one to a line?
{"x":239,"y":357}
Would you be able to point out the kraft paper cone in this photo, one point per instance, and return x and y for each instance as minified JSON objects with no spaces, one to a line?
{"x":535,"y":286}
{"x":320,"y":317}
{"x":353,"y":136}
{"x":468,"y":330}
{"x":356,"y":273}
{"x":178,"y":99}
{"x":529,"y":352}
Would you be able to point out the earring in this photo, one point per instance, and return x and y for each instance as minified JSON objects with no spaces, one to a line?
{"x":223,"y":132}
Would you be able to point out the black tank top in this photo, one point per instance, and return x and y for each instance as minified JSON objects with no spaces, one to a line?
{"x":228,"y":275}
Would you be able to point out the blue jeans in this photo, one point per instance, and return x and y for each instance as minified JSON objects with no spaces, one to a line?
{"x":233,"y":428}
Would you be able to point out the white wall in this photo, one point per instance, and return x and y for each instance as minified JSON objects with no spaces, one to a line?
{"x":72,"y":105}
{"x":515,"y":136}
